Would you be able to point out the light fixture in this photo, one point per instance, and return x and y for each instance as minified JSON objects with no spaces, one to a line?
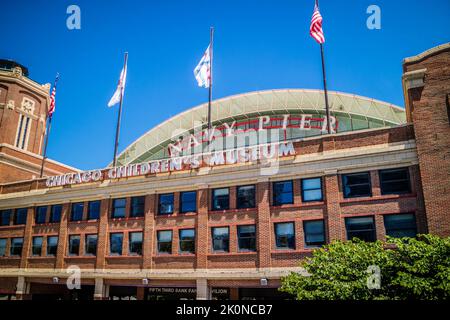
{"x":55,"y":279}
{"x":263,"y":282}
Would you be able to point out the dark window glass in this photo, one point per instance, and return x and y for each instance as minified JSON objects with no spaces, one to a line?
{"x":361,"y":227}
{"x":90,"y":245}
{"x":165,"y":241}
{"x":187,"y":241}
{"x":3,"y":247}
{"x":312,"y":189}
{"x":283,"y":193}
{"x":119,"y":208}
{"x":314,"y":233}
{"x":5,"y":217}
{"x":285,"y":235}
{"x":165,"y":203}
{"x":55,"y":213}
{"x":94,"y":210}
{"x":21,"y":216}
{"x":37,"y":246}
{"x":16,"y":246}
{"x":137,"y":207}
{"x":394,"y":181}
{"x":188,"y":201}
{"x":52,"y":245}
{"x":247,"y":238}
{"x":246,"y":197}
{"x":221,"y":239}
{"x":221,"y":199}
{"x":115,"y":246}
{"x":400,"y":225}
{"x":74,"y":245}
{"x":77,"y":211}
{"x":357,"y":185}
{"x":135,"y":243}
{"x":41,"y":214}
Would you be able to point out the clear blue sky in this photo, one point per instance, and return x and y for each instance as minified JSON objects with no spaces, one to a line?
{"x":258,"y":45}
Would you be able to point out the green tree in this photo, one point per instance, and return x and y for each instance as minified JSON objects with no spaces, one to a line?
{"x":410,"y":268}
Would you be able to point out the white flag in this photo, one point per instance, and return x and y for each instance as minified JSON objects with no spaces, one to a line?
{"x":120,"y":88}
{"x":202,"y":72}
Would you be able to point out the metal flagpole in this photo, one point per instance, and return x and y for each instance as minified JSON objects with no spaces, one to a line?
{"x":211,"y":77}
{"x":116,"y":144}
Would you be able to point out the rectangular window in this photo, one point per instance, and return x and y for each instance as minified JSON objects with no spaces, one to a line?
{"x":74,"y":245}
{"x":41,"y":215}
{"x":361,"y":227}
{"x":246,"y":197}
{"x":188,"y":201}
{"x":22,"y":132}
{"x":21,"y":216}
{"x":77,"y":211}
{"x":312,"y":189}
{"x":314,"y":233}
{"x":137,"y":206}
{"x":357,"y":185}
{"x":37,"y":246}
{"x":5,"y":217}
{"x":165,"y":241}
{"x":115,"y":244}
{"x":283,"y":193}
{"x":135,"y":243}
{"x":52,"y":245}
{"x":165,"y":203}
{"x":16,"y":246}
{"x":285,"y":235}
{"x":400,"y":225}
{"x":247,"y":238}
{"x":3,"y":247}
{"x":394,"y":181}
{"x":19,"y":130}
{"x":187,"y":241}
{"x":221,"y":199}
{"x":119,"y":208}
{"x":94,"y":210}
{"x":90,"y":244}
{"x":55,"y":213}
{"x":221,"y":239}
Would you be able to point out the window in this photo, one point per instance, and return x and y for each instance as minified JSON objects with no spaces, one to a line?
{"x":16,"y":246}
{"x":22,"y":131}
{"x":55,"y":213}
{"x":285,"y":235}
{"x":314,"y":233}
{"x":165,"y":203}
{"x":74,"y":245}
{"x":137,"y":206}
{"x":246,"y":197}
{"x":52,"y":245}
{"x":247,"y":238}
{"x":165,"y":241}
{"x":357,"y":185}
{"x":400,"y":225}
{"x":41,"y":215}
{"x":37,"y":246}
{"x":221,"y":239}
{"x":115,"y":246}
{"x":119,"y":208}
{"x":362,"y":228}
{"x":21,"y":216}
{"x":90,"y":245}
{"x":221,"y":199}
{"x":94,"y":210}
{"x":394,"y":181}
{"x":312,"y":189}
{"x":136,"y":243}
{"x":188,"y":201}
{"x":3,"y":247}
{"x":283,"y":193}
{"x":77,"y":211}
{"x":187,"y":241}
{"x":5,"y":216}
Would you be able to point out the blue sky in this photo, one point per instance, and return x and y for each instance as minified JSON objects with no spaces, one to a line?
{"x":258,"y":45}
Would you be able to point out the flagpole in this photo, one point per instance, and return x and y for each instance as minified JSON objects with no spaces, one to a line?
{"x":116,"y":144}
{"x":211,"y":44}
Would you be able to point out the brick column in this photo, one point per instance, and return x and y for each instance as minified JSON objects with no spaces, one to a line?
{"x":233,"y":197}
{"x":263,"y":234}
{"x":234,"y":293}
{"x":375,"y":182}
{"x":27,"y":238}
{"x":333,"y":222}
{"x":176,"y":203}
{"x":23,"y":289}
{"x":416,"y":187}
{"x":149,"y":231}
{"x":296,"y":187}
{"x":99,"y":290}
{"x":140,"y":293}
{"x":125,"y":243}
{"x":62,"y":240}
{"x":102,"y":240}
{"x":201,"y":238}
{"x":203,"y":290}
{"x":379,"y":227}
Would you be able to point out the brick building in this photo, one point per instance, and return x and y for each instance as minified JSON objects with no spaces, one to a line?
{"x":173,"y":222}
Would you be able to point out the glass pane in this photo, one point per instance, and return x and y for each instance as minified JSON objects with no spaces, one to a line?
{"x":56,"y":213}
{"x":312,"y":195}
{"x":314,"y":183}
{"x":94,"y":210}
{"x":187,"y":234}
{"x":116,"y":243}
{"x":165,"y":235}
{"x":77,"y":211}
{"x":189,"y":201}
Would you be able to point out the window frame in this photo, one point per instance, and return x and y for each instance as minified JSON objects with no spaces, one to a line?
{"x":115,"y":207}
{"x":312,"y":189}
{"x":13,"y":247}
{"x":277,"y":236}
{"x":307,"y":243}
{"x":374,"y":230}
{"x":182,"y":210}
{"x":181,"y":241}
{"x":158,"y":242}
{"x":33,"y":246}
{"x":2,"y":215}
{"x":5,"y":241}
{"x":90,"y":209}
{"x":52,"y":213}
{"x":69,"y":247}
{"x":227,"y":239}
{"x":162,"y":195}
{"x":213,"y":196}
{"x":134,"y":213}
{"x":16,"y":216}
{"x":240,"y":206}
{"x":275,"y":202}
{"x":130,"y":243}
{"x":239,"y":238}
{"x":48,"y":246}
{"x":86,"y":244}
{"x":387,"y":216}
{"x":72,"y":211}
{"x":38,"y":214}
{"x":111,"y":253}
{"x":369,"y":183}
{"x":408,"y":179}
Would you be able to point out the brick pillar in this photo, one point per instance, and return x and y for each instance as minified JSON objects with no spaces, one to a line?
{"x":127,"y":207}
{"x":99,"y":290}
{"x":125,"y":243}
{"x":233,"y":197}
{"x":333,"y":222}
{"x":176,"y":203}
{"x":62,"y":240}
{"x":27,"y":239}
{"x":379,"y":227}
{"x":102,"y":240}
{"x":234,"y":293}
{"x":297,"y":191}
{"x":202,"y":238}
{"x":23,"y":289}
{"x":203,"y":290}
{"x":416,"y":187}
{"x":263,"y":233}
{"x":375,"y":182}
{"x":149,"y":231}
{"x":140,"y":293}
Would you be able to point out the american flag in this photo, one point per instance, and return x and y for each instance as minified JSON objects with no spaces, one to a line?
{"x":315,"y":30}
{"x":51,"y":108}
